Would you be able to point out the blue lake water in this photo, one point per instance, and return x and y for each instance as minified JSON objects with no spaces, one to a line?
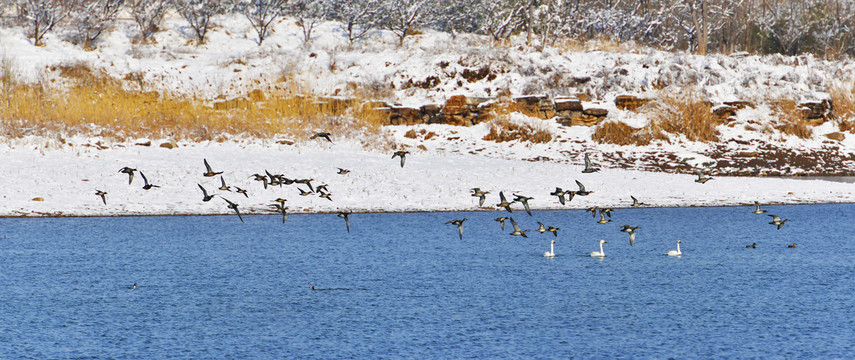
{"x":404,"y":285}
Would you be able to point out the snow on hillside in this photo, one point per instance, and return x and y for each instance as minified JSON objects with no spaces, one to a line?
{"x":439,"y":171}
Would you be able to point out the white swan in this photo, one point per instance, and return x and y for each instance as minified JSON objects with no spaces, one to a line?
{"x":599,"y":253}
{"x":551,"y":252}
{"x":676,"y":252}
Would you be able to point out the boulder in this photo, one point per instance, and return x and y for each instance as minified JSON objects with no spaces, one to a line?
{"x":724,"y":112}
{"x":169,"y":144}
{"x":837,"y":136}
{"x":568,"y":104}
{"x":630,"y":102}
{"x":455,"y":105}
{"x":597,"y":112}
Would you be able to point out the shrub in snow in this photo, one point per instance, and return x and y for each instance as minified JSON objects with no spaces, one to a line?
{"x":89,"y":18}
{"x":261,"y":14}
{"x":198,"y":14}
{"x":148,"y":14}
{"x":40,"y":16}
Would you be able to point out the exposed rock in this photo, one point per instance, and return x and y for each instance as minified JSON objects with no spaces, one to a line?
{"x":739,"y":105}
{"x":430,"y":110}
{"x":816,"y":112}
{"x":38,"y":199}
{"x":568,"y":104}
{"x":595,"y":112}
{"x":455,"y":105}
{"x":400,"y":115}
{"x":724,"y":112}
{"x":285,"y":142}
{"x":144,"y":143}
{"x":837,"y":136}
{"x":169,"y":144}
{"x":534,"y":104}
{"x":630,"y":102}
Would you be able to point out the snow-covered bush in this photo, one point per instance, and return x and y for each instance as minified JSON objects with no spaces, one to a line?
{"x":261,"y":14}
{"x":198,"y":14}
{"x":148,"y":14}
{"x":89,"y":19}
{"x":40,"y":16}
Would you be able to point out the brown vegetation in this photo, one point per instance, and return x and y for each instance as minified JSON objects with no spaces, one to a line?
{"x":683,"y":113}
{"x":791,"y":119}
{"x":618,"y":133}
{"x":96,"y":103}
{"x":844,"y":107}
{"x":503,"y":130}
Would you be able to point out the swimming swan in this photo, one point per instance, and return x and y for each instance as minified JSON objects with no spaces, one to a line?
{"x":551,"y":252}
{"x":676,"y":252}
{"x":599,"y":253}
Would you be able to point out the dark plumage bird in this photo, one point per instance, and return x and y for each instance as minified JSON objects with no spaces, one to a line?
{"x":504,"y":202}
{"x":224,"y":187}
{"x":307,"y":182}
{"x":281,"y":209}
{"x":589,"y":168}
{"x":582,"y":191}
{"x":702,"y":178}
{"x":792,"y":246}
{"x":517,"y":231}
{"x":102,"y":194}
{"x":631,"y":230}
{"x":342,"y":171}
{"x":326,"y":196}
{"x":304,"y":193}
{"x":459,"y":224}
{"x":234,"y":207}
{"x":481,"y":195}
{"x":752,"y":246}
{"x":205,"y":196}
{"x":593,"y":211}
{"x":501,"y":221}
{"x":553,"y":230}
{"x":776,"y":220}
{"x":241,"y":191}
{"x":607,"y":211}
{"x":345,"y":215}
{"x":130,"y":173}
{"x":208,"y":172}
{"x":402,"y":154}
{"x":603,"y":219}
{"x":635,"y":202}
{"x":147,"y":186}
{"x":324,"y":135}
{"x":259,"y":177}
{"x":560,"y":194}
{"x":541,"y":228}
{"x":321,"y":188}
{"x":523,"y":200}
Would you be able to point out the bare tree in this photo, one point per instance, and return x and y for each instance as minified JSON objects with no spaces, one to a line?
{"x":358,"y":17}
{"x":198,"y":14}
{"x":404,"y":16}
{"x":500,"y":19}
{"x":261,"y":14}
{"x":148,"y":14}
{"x":309,"y":14}
{"x":90,"y":18}
{"x":786,"y":22}
{"x":42,"y":15}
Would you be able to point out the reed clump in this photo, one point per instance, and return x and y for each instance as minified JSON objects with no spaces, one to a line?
{"x":502,"y":130}
{"x":618,"y":133}
{"x":94,"y":102}
{"x":791,"y":119}
{"x":683,"y":114}
{"x":844,"y":107}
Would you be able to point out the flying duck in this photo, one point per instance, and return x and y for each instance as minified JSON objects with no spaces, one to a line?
{"x":517,"y":231}
{"x":589,"y":168}
{"x":459,"y":224}
{"x":324,"y":135}
{"x":130,"y":173}
{"x":402,"y":154}
{"x":344,"y":215}
{"x":147,"y":186}
{"x":776,"y":220}
{"x":481,"y":195}
{"x":102,"y":194}
{"x":205,"y":196}
{"x":208,"y":172}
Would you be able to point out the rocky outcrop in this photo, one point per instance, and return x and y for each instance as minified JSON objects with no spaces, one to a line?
{"x":630,"y":102}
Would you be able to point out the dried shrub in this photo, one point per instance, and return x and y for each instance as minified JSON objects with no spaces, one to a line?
{"x":410,"y":134}
{"x":95,"y":103}
{"x":504,"y":130}
{"x":685,"y":114}
{"x":844,"y":107}
{"x":791,"y":119}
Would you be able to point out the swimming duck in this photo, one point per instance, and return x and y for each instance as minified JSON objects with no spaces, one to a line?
{"x":147,"y":186}
{"x":757,"y":209}
{"x":234,"y":207}
{"x":501,"y":221}
{"x":517,"y":231}
{"x":752,"y":246}
{"x":324,"y":135}
{"x":402,"y":154}
{"x":205,"y":196}
{"x":459,"y":224}
{"x":504,"y":202}
{"x":208,"y":172}
{"x":102,"y":194}
{"x":481,"y":195}
{"x":776,"y":220}
{"x":560,"y":194}
{"x":792,"y":246}
{"x":524,"y":200}
{"x":589,"y":168}
{"x":130,"y":173}
{"x":344,"y":215}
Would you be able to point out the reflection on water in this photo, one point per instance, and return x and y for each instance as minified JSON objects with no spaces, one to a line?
{"x":212,"y":287}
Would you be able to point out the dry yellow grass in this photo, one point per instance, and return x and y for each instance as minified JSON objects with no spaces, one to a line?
{"x":844,"y":107}
{"x":618,"y":133}
{"x":97,"y":103}
{"x":502,"y":130}
{"x":791,"y":119}
{"x":683,"y":113}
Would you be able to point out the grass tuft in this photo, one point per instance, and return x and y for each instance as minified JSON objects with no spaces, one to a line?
{"x":791,"y":119}
{"x":683,"y":113}
{"x":502,"y":130}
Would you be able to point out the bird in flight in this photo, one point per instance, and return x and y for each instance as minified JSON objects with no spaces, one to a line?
{"x":402,"y":154}
{"x":102,"y":194}
{"x":324,"y":135}
{"x":130,"y":173}
{"x":208,"y":172}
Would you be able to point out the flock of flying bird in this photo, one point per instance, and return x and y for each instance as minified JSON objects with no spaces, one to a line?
{"x":564,"y":196}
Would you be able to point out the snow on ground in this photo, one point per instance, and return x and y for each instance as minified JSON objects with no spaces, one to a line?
{"x":437,"y":178}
